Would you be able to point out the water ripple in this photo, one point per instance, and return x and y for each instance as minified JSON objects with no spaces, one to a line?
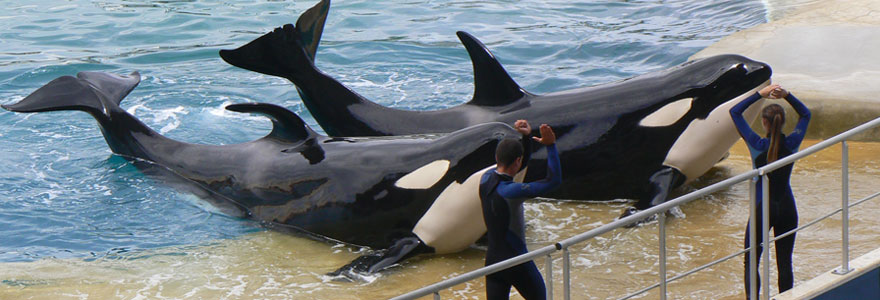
{"x":66,"y":195}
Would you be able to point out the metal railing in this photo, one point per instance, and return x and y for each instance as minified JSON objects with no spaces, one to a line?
{"x":753,"y":176}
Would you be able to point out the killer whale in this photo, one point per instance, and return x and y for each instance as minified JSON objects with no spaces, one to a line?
{"x":636,"y":138}
{"x":380,"y":192}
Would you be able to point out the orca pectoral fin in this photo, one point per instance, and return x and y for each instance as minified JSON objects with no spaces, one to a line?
{"x":661,"y":183}
{"x":377,"y":261}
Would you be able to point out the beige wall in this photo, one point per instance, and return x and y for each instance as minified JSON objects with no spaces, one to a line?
{"x":826,"y":52}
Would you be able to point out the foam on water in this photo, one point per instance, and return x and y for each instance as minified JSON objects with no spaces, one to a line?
{"x":88,"y":224}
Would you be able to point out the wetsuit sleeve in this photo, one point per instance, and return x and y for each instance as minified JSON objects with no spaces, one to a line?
{"x":793,"y":140}
{"x":522,"y":191}
{"x":527,"y":151}
{"x":736,"y":112}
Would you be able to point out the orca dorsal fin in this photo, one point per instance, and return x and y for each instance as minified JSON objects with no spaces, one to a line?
{"x":286,"y":125}
{"x":492,"y":85}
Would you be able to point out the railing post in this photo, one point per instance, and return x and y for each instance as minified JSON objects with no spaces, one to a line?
{"x":566,"y":277}
{"x":753,"y":252}
{"x":548,"y":280}
{"x":844,"y":178}
{"x":765,"y":235}
{"x":662,"y":220}
{"x":753,"y":215}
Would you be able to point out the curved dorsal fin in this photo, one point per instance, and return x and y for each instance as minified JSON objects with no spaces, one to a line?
{"x":286,"y":125}
{"x":492,"y":85}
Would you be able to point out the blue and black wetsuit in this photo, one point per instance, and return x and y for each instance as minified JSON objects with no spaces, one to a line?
{"x":783,"y":211}
{"x":502,"y":200}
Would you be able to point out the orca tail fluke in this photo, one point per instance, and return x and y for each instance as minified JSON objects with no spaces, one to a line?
{"x":377,"y":261}
{"x":287,"y":50}
{"x":96,"y":93}
{"x":276,"y":53}
{"x":310,"y":26}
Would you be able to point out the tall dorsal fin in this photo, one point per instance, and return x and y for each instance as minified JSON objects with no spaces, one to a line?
{"x":286,"y":125}
{"x":492,"y":85}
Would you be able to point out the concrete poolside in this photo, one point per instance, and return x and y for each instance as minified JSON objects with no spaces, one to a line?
{"x":826,"y":53}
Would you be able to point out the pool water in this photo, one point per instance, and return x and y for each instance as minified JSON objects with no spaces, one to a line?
{"x":82,"y":221}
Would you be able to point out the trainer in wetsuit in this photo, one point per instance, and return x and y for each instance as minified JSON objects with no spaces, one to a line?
{"x":783,"y":212}
{"x":502,"y":201}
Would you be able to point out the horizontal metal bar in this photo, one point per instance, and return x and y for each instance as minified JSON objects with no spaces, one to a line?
{"x":820,"y":146}
{"x":726,"y":258}
{"x":477,"y":273}
{"x":688,"y":273}
{"x":656,"y":209}
{"x":645,"y":214}
{"x":822,"y":218}
{"x":717,"y":186}
{"x":865,"y":199}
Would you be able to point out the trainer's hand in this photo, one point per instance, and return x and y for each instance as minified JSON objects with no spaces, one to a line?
{"x":773,"y":91}
{"x":779,"y":93}
{"x":523,"y":127}
{"x":547,"y":136}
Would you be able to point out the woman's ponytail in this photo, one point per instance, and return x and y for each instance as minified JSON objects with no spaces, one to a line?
{"x":775,"y":132}
{"x":774,"y":118}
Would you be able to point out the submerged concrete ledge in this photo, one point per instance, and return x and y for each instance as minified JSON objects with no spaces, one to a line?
{"x":860,"y":283}
{"x":827,"y":54}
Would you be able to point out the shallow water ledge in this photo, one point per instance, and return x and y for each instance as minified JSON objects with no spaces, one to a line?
{"x":826,"y":54}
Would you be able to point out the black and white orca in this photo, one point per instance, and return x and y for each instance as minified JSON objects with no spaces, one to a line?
{"x":636,"y":138}
{"x":380,"y":192}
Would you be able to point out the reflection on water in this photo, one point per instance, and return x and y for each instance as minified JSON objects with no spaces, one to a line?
{"x":270,"y":265}
{"x":92,"y":227}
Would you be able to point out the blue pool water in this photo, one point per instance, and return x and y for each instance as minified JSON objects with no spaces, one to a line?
{"x":63,"y":194}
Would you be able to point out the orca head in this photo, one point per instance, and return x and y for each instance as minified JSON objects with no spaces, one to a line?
{"x":722,"y":78}
{"x":723,"y":81}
